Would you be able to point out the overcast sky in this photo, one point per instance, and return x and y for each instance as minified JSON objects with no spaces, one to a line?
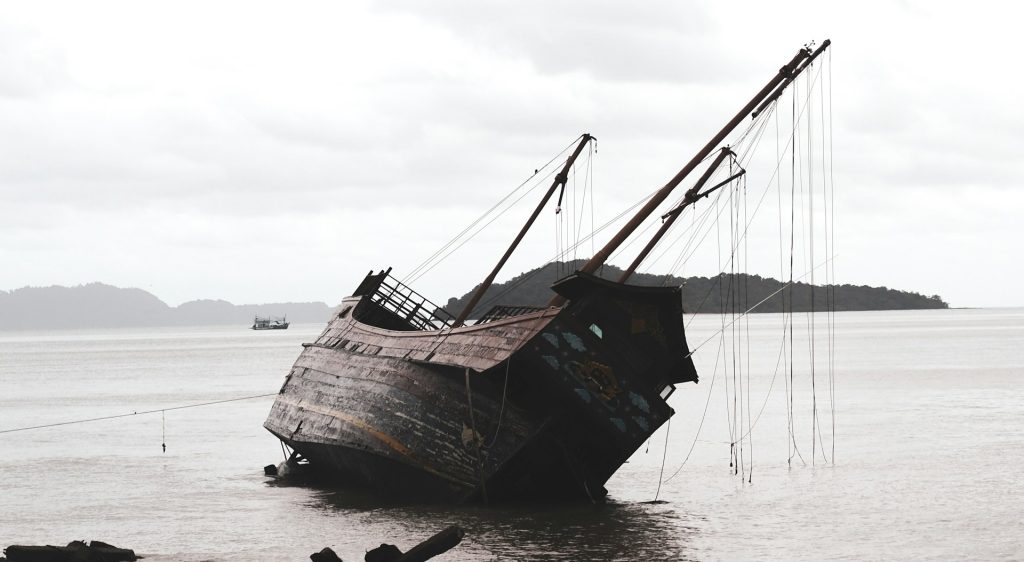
{"x":262,"y":152}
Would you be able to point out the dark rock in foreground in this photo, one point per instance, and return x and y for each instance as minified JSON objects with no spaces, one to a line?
{"x":75,"y":551}
{"x":438,"y":544}
{"x":325,"y":555}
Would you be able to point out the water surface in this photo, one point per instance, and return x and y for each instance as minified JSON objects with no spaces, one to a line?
{"x":928,"y":445}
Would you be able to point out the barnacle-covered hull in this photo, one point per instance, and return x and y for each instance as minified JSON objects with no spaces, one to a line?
{"x":561,"y":397}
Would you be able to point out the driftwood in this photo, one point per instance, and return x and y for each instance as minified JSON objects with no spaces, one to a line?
{"x":438,"y":544}
{"x":75,"y":551}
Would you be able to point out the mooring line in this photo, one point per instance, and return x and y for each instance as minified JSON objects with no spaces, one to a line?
{"x":156,"y":411}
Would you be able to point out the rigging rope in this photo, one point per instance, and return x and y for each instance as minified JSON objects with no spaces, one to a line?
{"x":418,"y":271}
{"x":423,"y":272}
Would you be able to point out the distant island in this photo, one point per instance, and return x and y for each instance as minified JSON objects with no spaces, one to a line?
{"x":97,"y":305}
{"x":707,"y":294}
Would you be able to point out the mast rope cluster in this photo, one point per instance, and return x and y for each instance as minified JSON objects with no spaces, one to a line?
{"x":811,"y":193}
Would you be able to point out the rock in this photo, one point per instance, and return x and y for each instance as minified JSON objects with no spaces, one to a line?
{"x":440,"y":543}
{"x":75,"y":551}
{"x":325,"y":555}
{"x":383,"y":553}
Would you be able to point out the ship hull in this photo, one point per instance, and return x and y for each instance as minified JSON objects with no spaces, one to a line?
{"x":560,"y":397}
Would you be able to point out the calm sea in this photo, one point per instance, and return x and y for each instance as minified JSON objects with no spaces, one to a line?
{"x":924,"y":461}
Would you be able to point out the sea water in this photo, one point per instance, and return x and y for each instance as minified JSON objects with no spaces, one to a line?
{"x":915,"y":451}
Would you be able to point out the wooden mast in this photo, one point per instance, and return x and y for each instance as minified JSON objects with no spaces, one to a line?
{"x":785,"y":73}
{"x":560,"y":180}
{"x":690,"y":197}
{"x":778,"y":92}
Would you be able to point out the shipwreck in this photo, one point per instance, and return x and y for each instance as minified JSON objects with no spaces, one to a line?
{"x":400,"y":395}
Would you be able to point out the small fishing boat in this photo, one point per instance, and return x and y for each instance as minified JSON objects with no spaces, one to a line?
{"x":270,"y":323}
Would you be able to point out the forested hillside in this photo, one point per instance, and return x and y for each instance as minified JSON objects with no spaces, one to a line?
{"x":715,"y":294}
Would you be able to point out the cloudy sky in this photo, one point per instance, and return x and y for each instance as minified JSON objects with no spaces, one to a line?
{"x":267,"y":152}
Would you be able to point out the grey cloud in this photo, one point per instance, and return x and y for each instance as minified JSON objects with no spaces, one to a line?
{"x":637,"y":42}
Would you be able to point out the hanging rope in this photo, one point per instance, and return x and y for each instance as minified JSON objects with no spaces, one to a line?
{"x":735,"y":296}
{"x":792,"y":242}
{"x":501,"y":411}
{"x":832,"y":234}
{"x":664,"y":455}
{"x":703,"y":416}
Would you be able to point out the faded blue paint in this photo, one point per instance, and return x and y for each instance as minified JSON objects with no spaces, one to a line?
{"x":584,"y":394}
{"x":618,"y":423}
{"x":642,"y":422}
{"x":639,"y":402}
{"x":574,"y":341}
{"x":552,"y":360}
{"x":552,"y":339}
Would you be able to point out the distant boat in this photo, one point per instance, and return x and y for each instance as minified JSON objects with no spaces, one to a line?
{"x":270,"y":323}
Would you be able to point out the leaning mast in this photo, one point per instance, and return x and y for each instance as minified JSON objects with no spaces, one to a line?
{"x":560,"y":180}
{"x":768,"y":93}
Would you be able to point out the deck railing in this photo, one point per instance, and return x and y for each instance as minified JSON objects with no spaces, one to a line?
{"x":504,"y":311}
{"x":396,"y":297}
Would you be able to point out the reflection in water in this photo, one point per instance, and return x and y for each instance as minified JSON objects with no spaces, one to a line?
{"x":557,"y":531}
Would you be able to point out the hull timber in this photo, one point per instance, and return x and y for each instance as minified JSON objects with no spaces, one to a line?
{"x":561,"y":397}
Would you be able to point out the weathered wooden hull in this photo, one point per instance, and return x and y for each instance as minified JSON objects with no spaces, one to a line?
{"x":560,"y":397}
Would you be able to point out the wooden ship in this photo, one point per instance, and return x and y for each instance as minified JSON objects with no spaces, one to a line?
{"x":399,"y":395}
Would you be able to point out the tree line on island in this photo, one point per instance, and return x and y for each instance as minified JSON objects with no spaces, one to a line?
{"x":722,"y":293}
{"x":96,"y":305}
